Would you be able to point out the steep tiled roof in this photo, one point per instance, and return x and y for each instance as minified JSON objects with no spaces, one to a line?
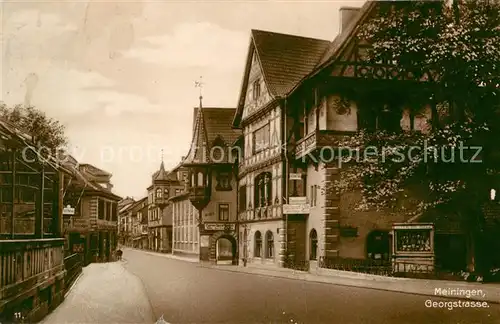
{"x":286,"y":59}
{"x":210,"y":123}
{"x":161,"y":174}
{"x":218,"y":123}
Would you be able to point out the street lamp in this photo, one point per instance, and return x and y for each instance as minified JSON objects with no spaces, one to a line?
{"x":492,"y":194}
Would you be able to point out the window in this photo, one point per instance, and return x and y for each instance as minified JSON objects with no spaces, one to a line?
{"x":165,"y":192}
{"x":158,"y":193}
{"x":100,"y":209}
{"x":223,"y":212}
{"x":261,"y":138}
{"x":378,"y":244}
{"x":223,"y":181}
{"x":177,"y":191}
{"x":108,"y":210}
{"x":114,"y":214}
{"x":269,"y":245}
{"x":258,"y":245}
{"x":256,"y":89}
{"x":242,"y":203}
{"x":313,"y":245}
{"x":263,"y":189}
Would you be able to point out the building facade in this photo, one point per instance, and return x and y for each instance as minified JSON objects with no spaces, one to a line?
{"x":31,"y":229}
{"x":163,"y":186}
{"x":212,"y":185}
{"x":186,"y":234}
{"x":263,"y":115}
{"x":139,"y":223}
{"x":123,"y":220}
{"x":90,"y":214}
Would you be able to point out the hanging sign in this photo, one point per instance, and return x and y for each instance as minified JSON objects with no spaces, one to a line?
{"x":295,"y":176}
{"x":68,"y":210}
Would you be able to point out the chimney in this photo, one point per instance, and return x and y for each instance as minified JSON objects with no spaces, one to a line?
{"x":347,"y":15}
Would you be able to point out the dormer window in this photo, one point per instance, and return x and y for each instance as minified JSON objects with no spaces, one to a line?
{"x":158,"y":193}
{"x":256,"y":89}
{"x":223,"y":181}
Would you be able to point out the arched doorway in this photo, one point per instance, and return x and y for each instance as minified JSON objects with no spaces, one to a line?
{"x":225,"y":250}
{"x":378,"y":246}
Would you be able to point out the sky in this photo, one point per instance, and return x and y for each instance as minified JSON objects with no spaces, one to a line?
{"x":120,"y":74}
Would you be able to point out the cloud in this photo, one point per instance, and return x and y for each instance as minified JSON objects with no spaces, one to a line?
{"x":68,"y":94}
{"x":193,"y":45}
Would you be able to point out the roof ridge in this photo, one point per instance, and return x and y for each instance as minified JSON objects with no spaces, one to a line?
{"x":290,"y":35}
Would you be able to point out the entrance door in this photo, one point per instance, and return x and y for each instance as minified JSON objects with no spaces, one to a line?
{"x":225,"y":251}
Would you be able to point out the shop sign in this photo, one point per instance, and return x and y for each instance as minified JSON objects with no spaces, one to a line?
{"x":219,"y":227}
{"x":297,"y":200}
{"x":68,"y":210}
{"x":296,"y":209}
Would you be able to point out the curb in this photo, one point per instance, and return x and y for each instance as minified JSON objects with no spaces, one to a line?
{"x":324,"y":280}
{"x":359,"y":282}
{"x":73,"y":284}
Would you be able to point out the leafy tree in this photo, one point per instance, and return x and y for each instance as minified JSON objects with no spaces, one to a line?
{"x":458,"y":44}
{"x":44,"y":131}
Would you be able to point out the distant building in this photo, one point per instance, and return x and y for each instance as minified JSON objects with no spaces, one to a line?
{"x":124,"y":225}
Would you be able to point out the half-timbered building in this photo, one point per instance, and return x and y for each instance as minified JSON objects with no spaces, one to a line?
{"x":212,"y":184}
{"x":90,"y":213}
{"x":275,"y":64}
{"x":346,"y":93}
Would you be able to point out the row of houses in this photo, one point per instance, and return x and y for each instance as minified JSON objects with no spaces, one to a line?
{"x":251,"y":187}
{"x":56,"y":215}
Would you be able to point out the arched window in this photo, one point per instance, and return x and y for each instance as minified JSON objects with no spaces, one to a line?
{"x":158,"y":193}
{"x":313,"y":245}
{"x":258,"y":245}
{"x":378,"y":245}
{"x":263,"y":189}
{"x":200,"y":180}
{"x":269,"y":245}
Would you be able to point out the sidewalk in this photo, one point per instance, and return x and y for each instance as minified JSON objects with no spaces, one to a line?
{"x":436,"y":288}
{"x":104,"y":293}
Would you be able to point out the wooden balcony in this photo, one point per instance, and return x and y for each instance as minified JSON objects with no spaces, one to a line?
{"x":29,"y":266}
{"x":317,"y":140}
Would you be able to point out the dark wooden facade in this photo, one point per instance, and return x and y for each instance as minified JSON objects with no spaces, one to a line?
{"x":31,"y":243}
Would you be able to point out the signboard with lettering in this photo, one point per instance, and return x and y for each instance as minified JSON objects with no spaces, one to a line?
{"x":297,"y":200}
{"x":295,"y":176}
{"x":296,"y":209}
{"x":219,"y":227}
{"x":82,"y":223}
{"x":412,"y":226}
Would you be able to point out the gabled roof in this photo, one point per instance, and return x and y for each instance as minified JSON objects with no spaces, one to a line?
{"x":210,"y":124}
{"x":337,"y":45}
{"x":94,"y":170}
{"x":284,"y":60}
